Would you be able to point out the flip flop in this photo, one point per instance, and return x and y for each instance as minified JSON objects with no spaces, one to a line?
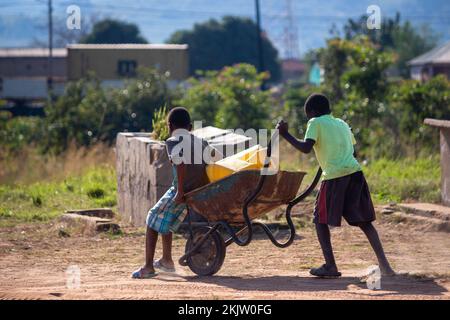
{"x":139,"y":275}
{"x":323,"y":272}
{"x":157,"y":264}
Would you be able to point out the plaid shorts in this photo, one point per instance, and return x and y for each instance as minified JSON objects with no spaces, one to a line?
{"x":166,"y":216}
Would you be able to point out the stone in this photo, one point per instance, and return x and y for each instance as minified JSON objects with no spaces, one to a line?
{"x":144,"y":172}
{"x":387,"y":211}
{"x":87,"y":225}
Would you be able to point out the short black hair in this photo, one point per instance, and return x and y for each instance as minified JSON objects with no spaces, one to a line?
{"x":179,"y":117}
{"x":318,"y":103}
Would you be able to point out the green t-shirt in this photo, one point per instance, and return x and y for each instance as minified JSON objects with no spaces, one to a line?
{"x":334,"y":146}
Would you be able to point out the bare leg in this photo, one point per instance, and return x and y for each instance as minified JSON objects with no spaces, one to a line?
{"x":372,"y":235}
{"x":166,"y":259}
{"x":323,"y":233}
{"x":151,"y":239}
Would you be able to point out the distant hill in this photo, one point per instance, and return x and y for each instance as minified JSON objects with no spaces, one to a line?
{"x":23,"y":21}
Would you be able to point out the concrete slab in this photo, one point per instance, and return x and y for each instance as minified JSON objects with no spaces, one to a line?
{"x":430,"y":210}
{"x":88,"y":225}
{"x":97,"y":212}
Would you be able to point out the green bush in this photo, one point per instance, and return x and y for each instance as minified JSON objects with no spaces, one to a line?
{"x":159,"y":124}
{"x":96,"y":192}
{"x":230,"y":98}
{"x":412,"y":102}
{"x":18,"y":132}
{"x":88,"y":113}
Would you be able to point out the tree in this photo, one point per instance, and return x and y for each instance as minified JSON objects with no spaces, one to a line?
{"x":216,"y":44}
{"x":114,"y":31}
{"x":356,"y":82}
{"x":413,"y":101}
{"x":294,"y":100}
{"x":231,"y":98}
{"x":383,"y":36}
{"x":62,"y":36}
{"x":88,"y":112}
{"x":410,"y":42}
{"x":402,"y":39}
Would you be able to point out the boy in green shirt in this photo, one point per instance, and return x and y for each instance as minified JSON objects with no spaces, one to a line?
{"x":343,"y":191}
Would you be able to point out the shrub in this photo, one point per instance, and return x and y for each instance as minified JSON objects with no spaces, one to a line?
{"x":159,"y":124}
{"x":230,"y":98}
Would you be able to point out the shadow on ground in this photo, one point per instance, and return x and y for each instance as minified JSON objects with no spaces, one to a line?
{"x":398,"y":285}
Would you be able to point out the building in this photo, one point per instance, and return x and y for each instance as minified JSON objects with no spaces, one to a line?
{"x":316,"y":74}
{"x":292,"y":69}
{"x":24,"y":72}
{"x":113,"y":63}
{"x":431,"y":63}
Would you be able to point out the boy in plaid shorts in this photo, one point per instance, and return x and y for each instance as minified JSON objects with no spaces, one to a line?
{"x":189,"y":156}
{"x":343,"y":192}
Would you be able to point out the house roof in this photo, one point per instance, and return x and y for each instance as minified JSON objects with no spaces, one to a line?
{"x":31,"y":52}
{"x":62,"y":52}
{"x":129,"y":46}
{"x":438,"y":55}
{"x":292,"y":65}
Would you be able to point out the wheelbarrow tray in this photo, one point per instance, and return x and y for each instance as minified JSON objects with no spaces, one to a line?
{"x":223,"y":200}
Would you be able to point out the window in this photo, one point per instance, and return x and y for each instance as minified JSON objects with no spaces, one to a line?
{"x":126,"y":68}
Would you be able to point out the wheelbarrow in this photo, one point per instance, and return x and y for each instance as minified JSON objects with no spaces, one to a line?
{"x":233,"y":203}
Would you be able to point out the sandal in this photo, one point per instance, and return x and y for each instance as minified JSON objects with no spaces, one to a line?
{"x":138,"y":274}
{"x":157,"y":264}
{"x":324,"y":272}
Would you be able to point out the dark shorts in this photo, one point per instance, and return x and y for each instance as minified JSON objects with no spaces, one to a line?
{"x":347,"y":197}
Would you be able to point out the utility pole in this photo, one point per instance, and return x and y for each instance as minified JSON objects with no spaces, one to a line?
{"x":258,"y":30}
{"x":260,"y":44}
{"x":50,"y":50}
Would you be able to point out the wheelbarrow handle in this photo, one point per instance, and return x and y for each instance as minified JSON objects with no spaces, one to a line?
{"x":255,"y":193}
{"x":309,"y":189}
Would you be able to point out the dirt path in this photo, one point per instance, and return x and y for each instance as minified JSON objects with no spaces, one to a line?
{"x":34,"y":260}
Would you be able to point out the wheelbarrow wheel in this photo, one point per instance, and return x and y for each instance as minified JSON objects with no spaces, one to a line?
{"x":208,"y":258}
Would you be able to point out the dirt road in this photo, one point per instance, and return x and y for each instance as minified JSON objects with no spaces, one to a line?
{"x":34,"y":260}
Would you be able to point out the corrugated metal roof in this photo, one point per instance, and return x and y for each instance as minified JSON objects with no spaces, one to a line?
{"x":437,"y":55}
{"x":129,"y":46}
{"x":31,"y":52}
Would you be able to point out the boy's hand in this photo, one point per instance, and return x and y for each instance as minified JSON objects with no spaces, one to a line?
{"x":179,"y":198}
{"x":282,"y":127}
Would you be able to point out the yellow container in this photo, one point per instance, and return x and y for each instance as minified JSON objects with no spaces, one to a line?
{"x":252,"y":158}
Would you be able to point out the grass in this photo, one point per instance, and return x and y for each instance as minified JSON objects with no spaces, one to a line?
{"x":41,"y":201}
{"x":43,"y":190}
{"x":404,"y":180}
{"x":389,"y":180}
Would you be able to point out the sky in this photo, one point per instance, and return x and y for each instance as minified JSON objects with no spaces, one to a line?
{"x":23,"y":21}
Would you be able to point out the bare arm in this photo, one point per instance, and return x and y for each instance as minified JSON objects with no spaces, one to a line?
{"x":181,"y":172}
{"x":304,"y":146}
